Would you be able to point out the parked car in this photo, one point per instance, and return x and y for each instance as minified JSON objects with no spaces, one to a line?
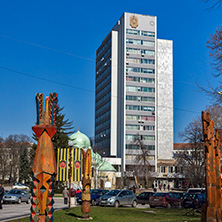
{"x":118,"y":197}
{"x":144,"y":197}
{"x":20,"y":186}
{"x":95,"y":195}
{"x":193,"y":200}
{"x":166,"y":200}
{"x":16,"y":196}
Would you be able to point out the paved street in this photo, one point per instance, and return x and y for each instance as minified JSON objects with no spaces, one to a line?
{"x":13,"y":211}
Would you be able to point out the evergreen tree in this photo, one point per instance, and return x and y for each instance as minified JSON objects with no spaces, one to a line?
{"x":64,"y":128}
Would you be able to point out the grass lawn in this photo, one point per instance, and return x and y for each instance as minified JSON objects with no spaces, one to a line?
{"x":124,"y":214}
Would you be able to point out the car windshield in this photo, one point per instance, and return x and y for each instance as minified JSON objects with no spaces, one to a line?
{"x":113,"y":192}
{"x":94,"y":191}
{"x":14,"y":192}
{"x":159,"y":194}
{"x":190,"y":195}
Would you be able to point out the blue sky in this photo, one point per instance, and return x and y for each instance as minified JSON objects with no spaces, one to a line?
{"x":74,"y":30}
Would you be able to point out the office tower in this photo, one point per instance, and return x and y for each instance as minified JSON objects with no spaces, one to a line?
{"x":134,"y":92}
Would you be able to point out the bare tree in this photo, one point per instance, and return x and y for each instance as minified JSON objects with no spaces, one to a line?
{"x":15,"y":144}
{"x":4,"y":169}
{"x":215,"y":46}
{"x":214,"y":43}
{"x":143,"y":168}
{"x":213,"y":3}
{"x":192,"y":158}
{"x":216,"y":115}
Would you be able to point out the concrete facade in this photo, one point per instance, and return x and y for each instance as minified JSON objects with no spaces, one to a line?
{"x":165,"y":99}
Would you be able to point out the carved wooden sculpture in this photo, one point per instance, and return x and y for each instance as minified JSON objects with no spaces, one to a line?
{"x":86,"y":183}
{"x":218,"y":175}
{"x":44,"y":165}
{"x":211,"y":212}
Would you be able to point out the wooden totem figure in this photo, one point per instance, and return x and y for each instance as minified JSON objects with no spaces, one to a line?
{"x":44,"y":165}
{"x":211,"y":211}
{"x":86,"y":183}
{"x":218,"y":175}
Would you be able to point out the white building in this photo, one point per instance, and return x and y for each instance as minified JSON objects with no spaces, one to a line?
{"x":134,"y":92}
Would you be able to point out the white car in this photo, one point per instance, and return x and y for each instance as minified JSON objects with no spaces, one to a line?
{"x":20,"y":186}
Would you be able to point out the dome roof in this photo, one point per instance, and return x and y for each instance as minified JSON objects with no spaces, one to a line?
{"x":106,"y":166}
{"x":80,"y":140}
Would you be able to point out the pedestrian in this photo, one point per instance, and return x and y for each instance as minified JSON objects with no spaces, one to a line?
{"x":160,"y":186}
{"x":65,"y":193}
{"x":168,"y":187}
{"x":153,"y":187}
{"x":134,"y":189}
{"x":1,"y":195}
{"x":73,"y":192}
{"x":78,"y":193}
{"x":164,"y":186}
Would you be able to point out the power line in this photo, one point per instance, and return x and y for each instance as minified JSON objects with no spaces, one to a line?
{"x":45,"y":47}
{"x":44,"y":79}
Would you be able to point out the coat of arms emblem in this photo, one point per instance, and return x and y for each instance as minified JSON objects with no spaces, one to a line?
{"x":133,"y":21}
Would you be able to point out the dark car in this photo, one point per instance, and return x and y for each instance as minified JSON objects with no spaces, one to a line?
{"x":16,"y":196}
{"x":166,"y":200}
{"x":144,"y":197}
{"x":95,"y":195}
{"x":118,"y":198}
{"x":193,"y":200}
{"x":179,"y":194}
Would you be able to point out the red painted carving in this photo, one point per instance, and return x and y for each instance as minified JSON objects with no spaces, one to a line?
{"x":44,"y":165}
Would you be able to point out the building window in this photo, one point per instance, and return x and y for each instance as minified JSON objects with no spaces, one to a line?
{"x":170,"y":169}
{"x":140,"y":70}
{"x":149,"y":128}
{"x":132,"y":88}
{"x":132,"y":117}
{"x":133,"y":60}
{"x":147,"y":33}
{"x":133,"y":51}
{"x":140,"y":42}
{"x":148,"y":43}
{"x":132,"y":98}
{"x":147,"y":99}
{"x":130,"y":157}
{"x":133,"y":41}
{"x":131,"y":107}
{"x":152,"y":138}
{"x":148,"y":61}
{"x":147,"y":89}
{"x":136,"y":147}
{"x":145,"y":70}
{"x":148,"y":52}
{"x":162,"y":169}
{"x":147,"y":108}
{"x":140,"y":32}
{"x":131,"y":137}
{"x":132,"y":127}
{"x":148,"y":118}
{"x":132,"y":32}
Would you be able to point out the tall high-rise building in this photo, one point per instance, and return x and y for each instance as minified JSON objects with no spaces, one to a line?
{"x":134,"y":92}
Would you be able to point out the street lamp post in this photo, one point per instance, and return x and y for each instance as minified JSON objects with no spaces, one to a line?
{"x":70,"y":144}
